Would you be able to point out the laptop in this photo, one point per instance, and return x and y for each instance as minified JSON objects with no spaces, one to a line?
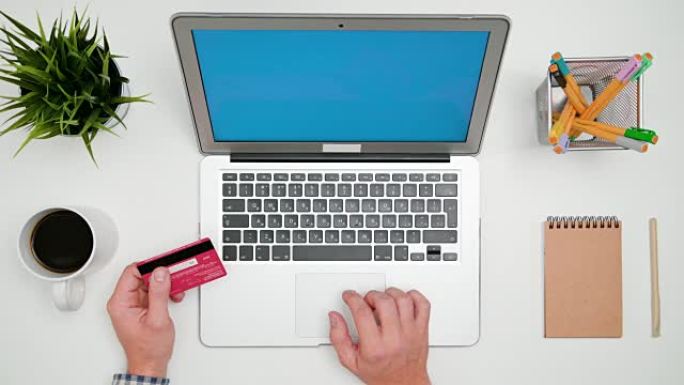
{"x":339,"y":156}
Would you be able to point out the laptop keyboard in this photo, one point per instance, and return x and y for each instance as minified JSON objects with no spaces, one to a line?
{"x":345,"y":216}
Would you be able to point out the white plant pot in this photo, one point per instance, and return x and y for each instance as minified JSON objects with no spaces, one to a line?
{"x":121,"y":109}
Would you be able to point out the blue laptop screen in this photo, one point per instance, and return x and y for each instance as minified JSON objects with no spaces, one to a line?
{"x":340,"y":86}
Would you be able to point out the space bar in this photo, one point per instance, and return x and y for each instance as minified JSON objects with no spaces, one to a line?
{"x":332,"y":253}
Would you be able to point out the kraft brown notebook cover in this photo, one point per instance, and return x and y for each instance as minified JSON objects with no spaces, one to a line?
{"x":583,"y":277}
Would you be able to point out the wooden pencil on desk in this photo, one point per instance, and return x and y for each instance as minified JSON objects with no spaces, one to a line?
{"x":655,"y":286}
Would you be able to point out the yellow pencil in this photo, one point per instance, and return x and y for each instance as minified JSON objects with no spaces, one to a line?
{"x":564,"y":141}
{"x":559,"y":125}
{"x":613,"y":89}
{"x":570,"y":79}
{"x":569,"y":92}
{"x":613,"y":138}
{"x":573,"y":132}
{"x":643,"y":134}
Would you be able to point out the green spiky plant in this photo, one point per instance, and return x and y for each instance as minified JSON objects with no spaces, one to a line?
{"x":68,"y":82}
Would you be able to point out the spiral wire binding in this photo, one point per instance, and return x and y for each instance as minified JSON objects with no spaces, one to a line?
{"x":583,"y":222}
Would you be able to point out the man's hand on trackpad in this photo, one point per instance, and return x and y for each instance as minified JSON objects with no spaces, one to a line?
{"x":393,"y":337}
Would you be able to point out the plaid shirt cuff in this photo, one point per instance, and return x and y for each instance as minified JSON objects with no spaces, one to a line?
{"x":134,"y":379}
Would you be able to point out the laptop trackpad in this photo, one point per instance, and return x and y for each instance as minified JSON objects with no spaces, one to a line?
{"x":317,"y":294}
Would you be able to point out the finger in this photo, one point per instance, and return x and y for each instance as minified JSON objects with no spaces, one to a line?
{"x":386,"y":310}
{"x":158,"y":296}
{"x":178,"y":297}
{"x":404,"y":306}
{"x":142,"y":298}
{"x":126,"y":290}
{"x":342,"y":342}
{"x":422,"y":308}
{"x":363,"y":318}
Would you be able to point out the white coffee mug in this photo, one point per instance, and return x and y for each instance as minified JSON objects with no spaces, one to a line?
{"x":68,"y":289}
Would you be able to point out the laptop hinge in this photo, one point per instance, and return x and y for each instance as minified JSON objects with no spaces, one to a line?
{"x":340,"y":157}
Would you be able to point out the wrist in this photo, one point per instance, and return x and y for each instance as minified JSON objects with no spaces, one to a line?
{"x":419,"y":380}
{"x":147,"y":369}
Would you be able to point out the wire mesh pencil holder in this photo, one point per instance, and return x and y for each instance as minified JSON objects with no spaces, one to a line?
{"x":593,"y":75}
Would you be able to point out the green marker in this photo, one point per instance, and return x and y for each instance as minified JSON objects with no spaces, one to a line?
{"x":636,"y":133}
{"x":642,"y":134}
{"x":646,"y":62}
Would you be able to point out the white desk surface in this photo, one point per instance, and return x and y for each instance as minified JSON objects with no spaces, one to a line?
{"x":148,"y":182}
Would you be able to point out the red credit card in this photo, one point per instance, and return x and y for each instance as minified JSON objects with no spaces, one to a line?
{"x":190,"y":265}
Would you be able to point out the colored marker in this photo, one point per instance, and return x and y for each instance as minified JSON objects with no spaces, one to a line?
{"x":557,"y":132}
{"x":614,"y":87}
{"x":557,"y":59}
{"x":572,"y":97}
{"x":632,"y":74}
{"x":613,"y":138}
{"x":642,"y":134}
{"x":629,"y":69}
{"x":646,"y":62}
{"x":627,"y":75}
{"x":559,"y":126}
{"x":564,"y":141}
{"x":632,"y":132}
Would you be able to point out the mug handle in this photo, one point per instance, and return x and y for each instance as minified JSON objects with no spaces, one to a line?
{"x":69,"y":294}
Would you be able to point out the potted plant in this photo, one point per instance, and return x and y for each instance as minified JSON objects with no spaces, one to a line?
{"x":69,"y":84}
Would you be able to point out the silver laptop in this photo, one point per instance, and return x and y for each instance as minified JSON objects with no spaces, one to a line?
{"x":340,"y":157}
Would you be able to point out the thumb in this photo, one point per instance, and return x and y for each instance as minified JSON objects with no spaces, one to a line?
{"x":158,"y":296}
{"x":342,"y":342}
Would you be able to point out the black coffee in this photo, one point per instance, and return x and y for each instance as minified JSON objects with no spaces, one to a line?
{"x":62,"y":241}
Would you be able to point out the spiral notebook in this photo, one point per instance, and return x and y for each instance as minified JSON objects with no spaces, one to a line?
{"x":582,"y":277}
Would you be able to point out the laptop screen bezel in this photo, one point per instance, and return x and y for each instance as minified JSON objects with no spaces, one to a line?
{"x":184,"y":23}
